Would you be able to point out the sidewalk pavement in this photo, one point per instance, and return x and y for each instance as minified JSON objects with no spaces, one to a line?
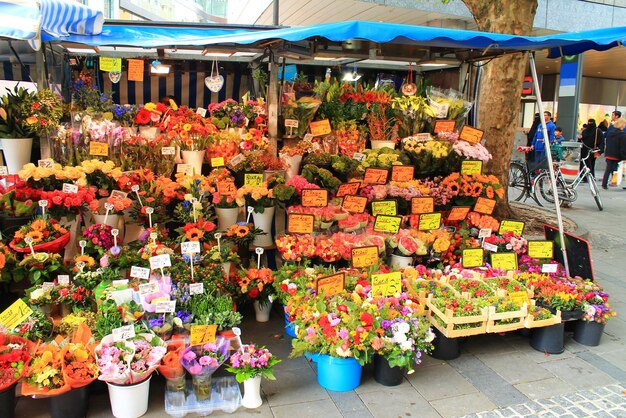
{"x":496,"y":375}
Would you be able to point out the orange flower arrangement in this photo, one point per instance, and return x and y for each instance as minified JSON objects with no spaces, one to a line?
{"x":255,"y":284}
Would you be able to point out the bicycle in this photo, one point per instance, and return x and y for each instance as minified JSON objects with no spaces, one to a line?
{"x":521,"y":184}
{"x":567,"y":192}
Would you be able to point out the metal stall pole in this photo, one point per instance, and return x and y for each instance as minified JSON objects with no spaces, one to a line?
{"x":546,"y":140}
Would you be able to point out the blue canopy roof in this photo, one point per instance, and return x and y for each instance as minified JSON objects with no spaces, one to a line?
{"x":378,"y":32}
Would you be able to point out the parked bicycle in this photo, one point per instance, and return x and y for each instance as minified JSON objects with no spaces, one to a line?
{"x":567,"y":191}
{"x":521,"y":173}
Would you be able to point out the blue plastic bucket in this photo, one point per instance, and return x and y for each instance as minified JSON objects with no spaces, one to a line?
{"x":290,"y":327}
{"x":338,"y":374}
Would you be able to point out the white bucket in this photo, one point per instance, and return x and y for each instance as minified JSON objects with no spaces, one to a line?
{"x":16,"y":152}
{"x":129,"y":401}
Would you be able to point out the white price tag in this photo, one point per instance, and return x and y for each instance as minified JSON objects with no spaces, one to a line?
{"x":236,"y":160}
{"x":441,"y":109}
{"x":160,"y":261}
{"x":43,"y":203}
{"x":153,"y":236}
{"x":190,"y":247}
{"x":291,"y":123}
{"x":47,"y":163}
{"x":149,"y":210}
{"x":168,"y":151}
{"x":187,"y":169}
{"x":123,"y":333}
{"x":308,"y":137}
{"x":4,"y":171}
{"x":166,"y":306}
{"x":196,"y":288}
{"x":358,"y":156}
{"x":490,"y":247}
{"x":70,"y":188}
{"x":135,"y":188}
{"x":140,"y":272}
{"x":259,"y":250}
{"x":118,"y":194}
{"x":148,"y":288}
{"x":201,"y":111}
{"x":549,"y":268}
{"x":121,"y":282}
{"x":236,"y":331}
{"x":47,"y":285}
{"x":63,"y":280}
{"x":484,"y":233}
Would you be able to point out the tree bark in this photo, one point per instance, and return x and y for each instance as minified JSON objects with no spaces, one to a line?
{"x":501,"y":83}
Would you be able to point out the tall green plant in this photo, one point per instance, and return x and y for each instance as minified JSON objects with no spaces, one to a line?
{"x":14,"y":109}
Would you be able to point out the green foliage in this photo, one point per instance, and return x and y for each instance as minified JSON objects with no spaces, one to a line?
{"x":14,"y":109}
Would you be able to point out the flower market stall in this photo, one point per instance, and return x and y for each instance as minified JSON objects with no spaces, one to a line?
{"x":154,"y":228}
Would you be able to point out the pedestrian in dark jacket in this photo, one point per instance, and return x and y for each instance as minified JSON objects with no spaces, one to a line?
{"x":592,"y":138}
{"x":615,"y":150}
{"x":531,"y":134}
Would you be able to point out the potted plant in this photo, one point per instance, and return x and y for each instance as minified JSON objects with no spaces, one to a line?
{"x":250,"y":364}
{"x":201,"y":361}
{"x":260,"y":202}
{"x":255,"y":285}
{"x":596,"y":313}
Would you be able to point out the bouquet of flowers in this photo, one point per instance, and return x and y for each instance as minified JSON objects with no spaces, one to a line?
{"x":44,"y":113}
{"x":98,"y":238}
{"x":259,"y":197}
{"x":14,"y":358}
{"x":191,"y":129}
{"x":46,"y":235}
{"x":45,"y":373}
{"x":242,"y":234}
{"x":79,"y":362}
{"x":412,"y":114}
{"x":37,"y":327}
{"x":150,"y":114}
{"x":228,"y":114}
{"x":254,"y":140}
{"x":255,"y":284}
{"x":223,"y":144}
{"x":201,"y":361}
{"x":171,"y":367}
{"x":252,"y":361}
{"x":125,"y":114}
{"x":101,"y":176}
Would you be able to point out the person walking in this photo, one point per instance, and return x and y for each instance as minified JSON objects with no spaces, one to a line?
{"x":530,"y":134}
{"x":615,"y":150}
{"x":592,"y":139}
{"x":615,"y":115}
{"x":538,"y":143}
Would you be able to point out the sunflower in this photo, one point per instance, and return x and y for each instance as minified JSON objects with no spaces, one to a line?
{"x":59,"y":229}
{"x":37,"y":236}
{"x":242,"y":231}
{"x":194,"y":234}
{"x":38,"y":225}
{"x":89,"y":261}
{"x":187,"y":127}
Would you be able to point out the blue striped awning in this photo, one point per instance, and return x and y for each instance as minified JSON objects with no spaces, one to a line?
{"x":20,"y":19}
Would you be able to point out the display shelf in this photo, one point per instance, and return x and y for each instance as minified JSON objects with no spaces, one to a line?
{"x":225,"y":396}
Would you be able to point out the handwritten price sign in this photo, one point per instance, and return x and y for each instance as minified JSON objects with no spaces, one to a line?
{"x":458,"y":213}
{"x":348,"y":188}
{"x":123,"y":333}
{"x":17,"y":313}
{"x":217,"y":162}
{"x":375,"y":176}
{"x":226,"y":188}
{"x":385,"y":223}
{"x":429,"y":221}
{"x":504,"y":261}
{"x":320,"y":127}
{"x":422,"y":205}
{"x":331,"y":285}
{"x":507,"y":225}
{"x":99,"y":149}
{"x":387,"y":284}
{"x":354,"y":204}
{"x":541,"y":249}
{"x":300,"y":224}
{"x":202,"y":334}
{"x":385,"y":207}
{"x":519,"y":298}
{"x":444,"y":126}
{"x":471,"y":135}
{"x":314,"y":198}
{"x":471,"y":167}
{"x":484,"y":205}
{"x":364,"y":256}
{"x":402,"y":173}
{"x":253,"y":179}
{"x":473,"y":257}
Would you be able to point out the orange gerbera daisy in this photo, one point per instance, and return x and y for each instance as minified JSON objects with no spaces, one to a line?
{"x":244,"y":281}
{"x":38,"y":225}
{"x":89,"y":261}
{"x":242,"y":230}
{"x":37,"y":236}
{"x":194,"y":234}
{"x":489,"y":192}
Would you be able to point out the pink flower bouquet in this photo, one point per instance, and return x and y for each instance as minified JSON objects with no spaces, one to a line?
{"x":201,"y":361}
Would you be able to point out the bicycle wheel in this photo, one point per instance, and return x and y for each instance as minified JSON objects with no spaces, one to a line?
{"x":595,"y":192}
{"x":517,"y":181}
{"x":544,"y":186}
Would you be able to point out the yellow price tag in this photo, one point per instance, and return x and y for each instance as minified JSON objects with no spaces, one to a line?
{"x":507,"y":225}
{"x":15,"y":314}
{"x":331,"y":285}
{"x":253,"y":179}
{"x":217,"y":162}
{"x":99,"y":148}
{"x":364,"y":256}
{"x":541,"y":249}
{"x":504,"y":261}
{"x":387,"y":284}
{"x":386,"y":223}
{"x":519,"y":298}
{"x":429,"y":221}
{"x":385,"y":207}
{"x":471,"y":167}
{"x":202,"y":334}
{"x":473,"y":257}
{"x":109,"y":64}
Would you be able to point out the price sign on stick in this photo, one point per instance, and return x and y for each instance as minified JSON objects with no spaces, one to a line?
{"x":226,"y":188}
{"x":354,"y":204}
{"x":314,"y":198}
{"x":504,"y":261}
{"x":541,"y":249}
{"x":385,"y":207}
{"x":422,"y":205}
{"x":186,"y":169}
{"x":458,"y":213}
{"x":202,"y":334}
{"x":123,"y":333}
{"x":471,"y":135}
{"x":320,"y":127}
{"x":70,"y":188}
{"x":15,"y":314}
{"x":252,"y":179}
{"x":148,"y":288}
{"x":190,"y":247}
{"x":140,"y":272}
{"x":444,"y":126}
{"x":168,"y":306}
{"x":385,"y":223}
{"x":402,"y":173}
{"x":99,"y":149}
{"x":375,"y":176}
{"x":470,"y":167}
{"x":429,"y":221}
{"x":331,"y":285}
{"x":47,"y":163}
{"x":196,"y":288}
{"x":364,"y":256}
{"x":259,"y":252}
{"x":519,"y":298}
{"x":473,"y":257}
{"x":348,"y":188}
{"x":484,"y":205}
{"x":300,"y":223}
{"x":217,"y":162}
{"x":516,"y":227}
{"x":387,"y":284}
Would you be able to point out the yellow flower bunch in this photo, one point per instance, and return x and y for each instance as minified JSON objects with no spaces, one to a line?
{"x":255,"y":193}
{"x":107,"y":167}
{"x":70,"y":174}
{"x":438,"y":149}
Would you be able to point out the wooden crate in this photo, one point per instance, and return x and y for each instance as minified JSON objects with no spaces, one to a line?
{"x":451,"y":330}
{"x":531,"y":322}
{"x":519,"y":316}
{"x":504,"y":293}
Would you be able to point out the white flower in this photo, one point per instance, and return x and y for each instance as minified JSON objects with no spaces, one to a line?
{"x":406,"y":345}
{"x":399,"y":337}
{"x":429,"y":336}
{"x":403,"y":327}
{"x":36,"y":294}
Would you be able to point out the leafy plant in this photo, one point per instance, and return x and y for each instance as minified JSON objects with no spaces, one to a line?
{"x":13,"y":113}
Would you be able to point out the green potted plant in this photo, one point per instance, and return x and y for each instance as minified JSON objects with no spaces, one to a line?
{"x":16,"y":136}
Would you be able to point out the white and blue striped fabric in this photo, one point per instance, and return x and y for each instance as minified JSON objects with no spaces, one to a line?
{"x":21,"y":19}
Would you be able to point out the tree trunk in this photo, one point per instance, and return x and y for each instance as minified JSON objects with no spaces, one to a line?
{"x":501,"y":82}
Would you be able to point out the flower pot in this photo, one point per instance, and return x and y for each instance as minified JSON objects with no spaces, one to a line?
{"x":338,"y":374}
{"x":129,"y":401}
{"x":194,"y":158}
{"x":16,"y":152}
{"x":202,"y":386}
{"x":71,"y":226}
{"x":65,"y":310}
{"x":588,"y":332}
{"x":148,"y":132}
{"x":226,"y":217}
{"x":292,"y":165}
{"x":252,"y":393}
{"x":548,"y":339}
{"x":264,"y":221}
{"x":385,"y":374}
{"x":54,"y":246}
{"x":262,"y":310}
{"x":445,"y":348}
{"x":400,"y":261}
{"x":72,"y":404}
{"x":7,"y":402}
{"x":383,"y":144}
{"x":290,"y":327}
{"x":10,"y":224}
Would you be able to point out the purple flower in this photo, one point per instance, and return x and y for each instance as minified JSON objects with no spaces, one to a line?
{"x":385,"y":324}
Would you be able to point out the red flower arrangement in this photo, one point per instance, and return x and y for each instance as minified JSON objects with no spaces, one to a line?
{"x":14,"y":357}
{"x":255,"y":284}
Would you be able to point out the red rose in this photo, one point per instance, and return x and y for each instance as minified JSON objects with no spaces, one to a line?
{"x":57,"y":200}
{"x":254,"y":293}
